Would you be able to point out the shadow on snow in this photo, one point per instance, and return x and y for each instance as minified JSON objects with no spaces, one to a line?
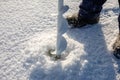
{"x":99,"y":64}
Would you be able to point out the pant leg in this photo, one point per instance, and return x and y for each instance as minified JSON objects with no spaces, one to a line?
{"x":119,"y":16}
{"x":91,"y":8}
{"x":119,"y":22}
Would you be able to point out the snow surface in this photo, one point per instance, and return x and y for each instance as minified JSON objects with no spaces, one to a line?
{"x":28,"y":32}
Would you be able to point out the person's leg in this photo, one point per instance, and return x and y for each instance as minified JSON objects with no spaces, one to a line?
{"x":88,"y":14}
{"x":119,"y":22}
{"x":91,"y":8}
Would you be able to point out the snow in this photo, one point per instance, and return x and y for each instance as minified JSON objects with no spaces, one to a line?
{"x":28,"y":32}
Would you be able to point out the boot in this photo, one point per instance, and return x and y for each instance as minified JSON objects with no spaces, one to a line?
{"x":77,"y":21}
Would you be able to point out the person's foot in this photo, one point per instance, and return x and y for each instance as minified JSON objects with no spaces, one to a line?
{"x":116,"y":47}
{"x":76,"y":21}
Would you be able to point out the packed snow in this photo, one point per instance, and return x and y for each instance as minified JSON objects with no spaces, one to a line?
{"x":28,"y":31}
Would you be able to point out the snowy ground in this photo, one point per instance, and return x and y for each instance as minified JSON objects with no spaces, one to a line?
{"x":28,"y":31}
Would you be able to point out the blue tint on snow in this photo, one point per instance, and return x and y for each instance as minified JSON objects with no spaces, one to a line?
{"x":98,"y":67}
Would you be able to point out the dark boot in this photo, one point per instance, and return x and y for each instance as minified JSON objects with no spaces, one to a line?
{"x":76,"y":21}
{"x":116,"y":47}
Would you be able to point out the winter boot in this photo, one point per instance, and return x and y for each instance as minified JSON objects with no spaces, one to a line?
{"x":76,"y":21}
{"x":116,"y":47}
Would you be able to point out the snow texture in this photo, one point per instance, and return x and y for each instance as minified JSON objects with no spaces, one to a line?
{"x":28,"y":31}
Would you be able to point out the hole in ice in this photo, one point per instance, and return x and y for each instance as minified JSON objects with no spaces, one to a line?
{"x":53,"y":56}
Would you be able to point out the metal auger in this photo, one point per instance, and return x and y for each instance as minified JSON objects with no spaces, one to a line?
{"x":62,"y":27}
